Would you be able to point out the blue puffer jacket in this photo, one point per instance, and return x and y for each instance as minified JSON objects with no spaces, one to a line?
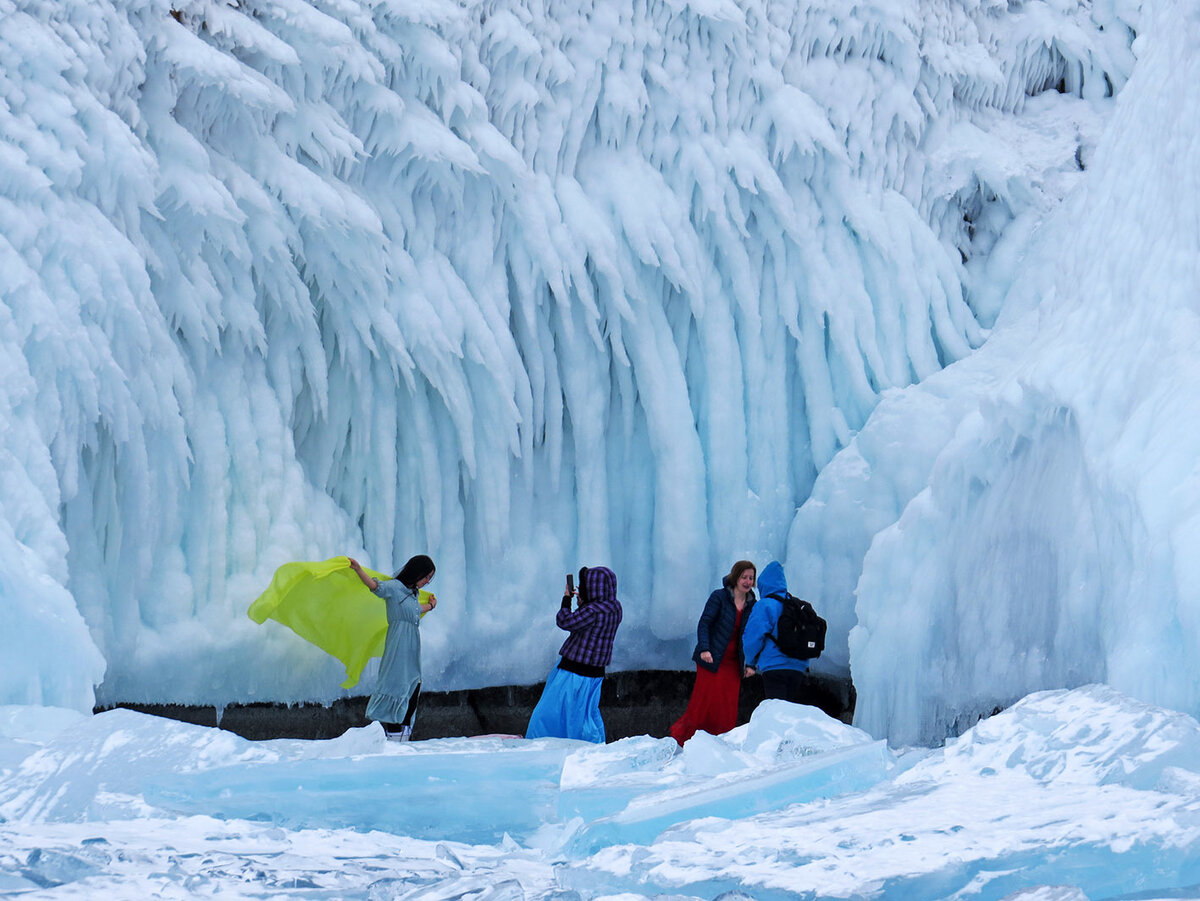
{"x":716,"y":626}
{"x":758,"y":643}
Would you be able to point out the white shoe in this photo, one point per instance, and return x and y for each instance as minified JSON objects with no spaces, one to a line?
{"x":406,"y":732}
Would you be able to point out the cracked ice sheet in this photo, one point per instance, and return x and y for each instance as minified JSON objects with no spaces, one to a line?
{"x":899,"y":841}
{"x":931,"y":833}
{"x":130,"y":860}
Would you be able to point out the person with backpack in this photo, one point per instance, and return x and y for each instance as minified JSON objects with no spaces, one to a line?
{"x":570,"y":703}
{"x":782,"y":672}
{"x":713,"y":706}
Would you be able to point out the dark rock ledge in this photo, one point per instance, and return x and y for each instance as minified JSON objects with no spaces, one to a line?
{"x":643,"y":702}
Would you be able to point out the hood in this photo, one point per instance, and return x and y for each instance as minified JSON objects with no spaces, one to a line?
{"x":771,"y":580}
{"x":597,"y":583}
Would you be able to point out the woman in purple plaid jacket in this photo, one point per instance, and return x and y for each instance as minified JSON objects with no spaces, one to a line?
{"x":570,"y":702}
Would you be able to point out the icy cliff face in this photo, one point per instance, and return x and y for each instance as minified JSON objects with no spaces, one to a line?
{"x":523,"y":286}
{"x":1042,"y":531}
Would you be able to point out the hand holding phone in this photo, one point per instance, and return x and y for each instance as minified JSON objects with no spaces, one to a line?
{"x":570,"y":584}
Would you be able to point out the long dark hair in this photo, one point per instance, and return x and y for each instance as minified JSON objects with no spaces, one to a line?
{"x":416,"y":569}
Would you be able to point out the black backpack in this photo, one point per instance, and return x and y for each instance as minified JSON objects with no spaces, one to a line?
{"x":800,"y":632}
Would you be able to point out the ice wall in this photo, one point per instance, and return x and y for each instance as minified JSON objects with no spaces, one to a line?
{"x":521,"y":285}
{"x":1042,"y":530}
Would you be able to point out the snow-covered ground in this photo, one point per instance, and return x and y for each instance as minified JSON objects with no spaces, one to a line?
{"x":1067,"y":795}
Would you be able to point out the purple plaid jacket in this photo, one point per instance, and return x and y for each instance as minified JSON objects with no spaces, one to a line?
{"x":593,"y":626}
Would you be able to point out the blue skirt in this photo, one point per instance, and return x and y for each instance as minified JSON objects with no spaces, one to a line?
{"x":569,"y":708}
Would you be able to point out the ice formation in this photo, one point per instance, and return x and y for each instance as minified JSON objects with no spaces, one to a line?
{"x":900,"y":293}
{"x":1028,"y":518}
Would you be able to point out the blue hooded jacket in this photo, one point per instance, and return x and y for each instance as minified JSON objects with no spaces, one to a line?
{"x":758,"y":643}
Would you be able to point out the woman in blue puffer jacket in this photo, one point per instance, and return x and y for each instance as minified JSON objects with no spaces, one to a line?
{"x":713,"y":706}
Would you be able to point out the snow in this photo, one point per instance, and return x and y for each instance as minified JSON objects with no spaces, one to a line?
{"x":1066,"y":795}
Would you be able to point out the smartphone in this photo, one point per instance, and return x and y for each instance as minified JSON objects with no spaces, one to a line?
{"x":570,"y":584}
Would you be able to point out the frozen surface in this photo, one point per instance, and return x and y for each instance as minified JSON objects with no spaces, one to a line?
{"x":1067,"y":795}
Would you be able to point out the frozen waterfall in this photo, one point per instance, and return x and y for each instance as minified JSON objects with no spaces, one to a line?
{"x":900,"y":293}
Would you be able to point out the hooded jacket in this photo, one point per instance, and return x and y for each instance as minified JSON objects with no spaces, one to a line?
{"x":758,"y":642}
{"x":593,"y":626}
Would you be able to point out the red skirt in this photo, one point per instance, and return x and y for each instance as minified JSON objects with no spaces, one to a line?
{"x":713,"y":706}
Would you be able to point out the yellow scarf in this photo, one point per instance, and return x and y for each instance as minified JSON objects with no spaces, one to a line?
{"x":328,"y":605}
